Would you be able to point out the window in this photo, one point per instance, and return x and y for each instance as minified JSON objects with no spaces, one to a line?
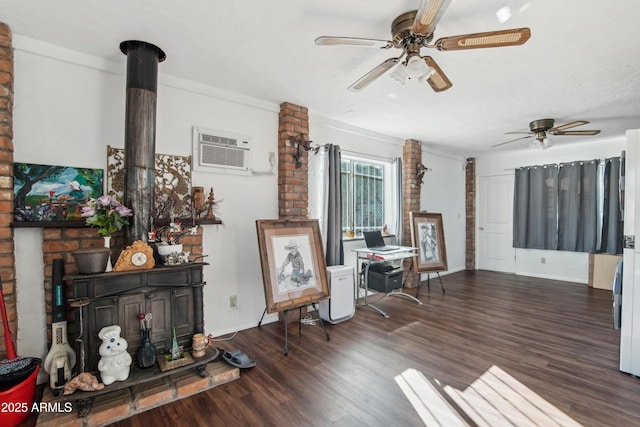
{"x":364,"y":186}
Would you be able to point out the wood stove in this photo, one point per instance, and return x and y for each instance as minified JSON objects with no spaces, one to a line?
{"x":172,"y":294}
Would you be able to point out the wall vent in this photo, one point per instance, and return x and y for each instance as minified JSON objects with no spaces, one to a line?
{"x":220,"y":151}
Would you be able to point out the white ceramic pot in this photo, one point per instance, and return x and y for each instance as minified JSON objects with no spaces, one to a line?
{"x":164,"y":250}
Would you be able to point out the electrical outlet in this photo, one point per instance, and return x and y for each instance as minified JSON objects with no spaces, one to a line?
{"x":233,"y":301}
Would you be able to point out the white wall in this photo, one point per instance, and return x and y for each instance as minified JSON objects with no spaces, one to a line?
{"x":559,"y":265}
{"x":69,"y":106}
{"x":443,"y":192}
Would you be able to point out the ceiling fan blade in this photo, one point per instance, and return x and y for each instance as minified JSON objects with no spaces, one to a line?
{"x":513,"y":140}
{"x":568,"y":125}
{"x":365,"y":80}
{"x":428,"y":15}
{"x":513,"y":37}
{"x":438,"y":80}
{"x":516,"y":133}
{"x":576,"y":132}
{"x":353,"y":41}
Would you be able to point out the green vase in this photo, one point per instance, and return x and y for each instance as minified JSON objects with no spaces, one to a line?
{"x":146,"y":355}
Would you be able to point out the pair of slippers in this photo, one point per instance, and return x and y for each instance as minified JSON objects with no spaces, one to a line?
{"x":237,"y":358}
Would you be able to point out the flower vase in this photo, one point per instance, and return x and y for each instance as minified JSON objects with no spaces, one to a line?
{"x":146,"y":355}
{"x":107,"y":244}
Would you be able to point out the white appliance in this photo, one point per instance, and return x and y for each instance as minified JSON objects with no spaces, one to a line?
{"x":630,"y":309}
{"x":342,"y":304}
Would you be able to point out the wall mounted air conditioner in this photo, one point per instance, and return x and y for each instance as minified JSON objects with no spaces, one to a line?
{"x":220,"y":151}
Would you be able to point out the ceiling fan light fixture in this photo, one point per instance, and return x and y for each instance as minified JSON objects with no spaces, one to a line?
{"x":414,"y":68}
{"x":400,"y":74}
{"x":541,"y":142}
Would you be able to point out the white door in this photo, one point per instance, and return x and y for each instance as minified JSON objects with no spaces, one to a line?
{"x":495,"y":250}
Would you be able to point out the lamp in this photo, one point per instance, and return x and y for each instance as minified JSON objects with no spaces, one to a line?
{"x":541,"y":142}
{"x":413,"y":68}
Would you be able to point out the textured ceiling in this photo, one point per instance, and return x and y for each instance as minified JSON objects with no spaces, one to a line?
{"x":581,"y":62}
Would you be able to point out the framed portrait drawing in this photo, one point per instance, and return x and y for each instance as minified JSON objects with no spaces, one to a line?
{"x":427,"y":234}
{"x":293,"y":265}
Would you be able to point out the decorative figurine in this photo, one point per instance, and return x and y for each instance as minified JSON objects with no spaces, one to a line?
{"x":175,"y":349}
{"x":115,"y":362}
{"x":210,"y":202}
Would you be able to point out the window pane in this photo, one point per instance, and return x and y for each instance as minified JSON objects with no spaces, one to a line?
{"x":369,"y":201}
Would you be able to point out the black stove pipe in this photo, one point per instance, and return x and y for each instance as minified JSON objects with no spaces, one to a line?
{"x":140,"y":135}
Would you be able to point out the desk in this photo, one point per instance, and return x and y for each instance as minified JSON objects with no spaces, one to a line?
{"x":369,"y":257}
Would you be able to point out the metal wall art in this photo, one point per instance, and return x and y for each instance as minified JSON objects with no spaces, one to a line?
{"x":172,"y":183}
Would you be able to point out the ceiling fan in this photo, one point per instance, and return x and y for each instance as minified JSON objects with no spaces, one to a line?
{"x":414,"y":30}
{"x":540,"y":128}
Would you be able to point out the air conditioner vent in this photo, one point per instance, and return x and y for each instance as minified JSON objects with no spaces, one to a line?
{"x":220,"y":151}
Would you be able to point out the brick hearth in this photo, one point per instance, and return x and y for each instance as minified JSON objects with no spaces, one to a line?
{"x":111,"y":407}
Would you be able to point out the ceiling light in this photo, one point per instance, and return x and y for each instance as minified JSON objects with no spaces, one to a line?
{"x":414,"y":68}
{"x":541,"y":142}
{"x":503,"y":14}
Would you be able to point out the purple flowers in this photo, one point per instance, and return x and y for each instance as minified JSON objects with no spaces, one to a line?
{"x":106,"y":214}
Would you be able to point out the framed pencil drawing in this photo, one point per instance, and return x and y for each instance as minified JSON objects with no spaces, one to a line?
{"x":427,"y":234}
{"x":293,"y":265}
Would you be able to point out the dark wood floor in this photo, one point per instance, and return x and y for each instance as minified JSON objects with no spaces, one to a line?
{"x":556,"y":338}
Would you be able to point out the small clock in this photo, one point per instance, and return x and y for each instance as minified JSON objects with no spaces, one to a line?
{"x":137,"y":256}
{"x":138,"y":259}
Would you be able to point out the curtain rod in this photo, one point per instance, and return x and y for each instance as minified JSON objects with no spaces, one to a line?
{"x":370,"y":156}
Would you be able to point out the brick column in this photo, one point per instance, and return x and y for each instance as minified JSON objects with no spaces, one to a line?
{"x":293,"y":194}
{"x":411,"y":186}
{"x":470,"y":208}
{"x":7,"y":258}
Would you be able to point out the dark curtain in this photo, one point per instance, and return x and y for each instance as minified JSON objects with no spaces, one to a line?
{"x":334,"y":254}
{"x":612,"y":218}
{"x":535,"y":207}
{"x":578,"y":206}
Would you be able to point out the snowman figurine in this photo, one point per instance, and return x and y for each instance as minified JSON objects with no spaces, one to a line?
{"x":115,"y":361}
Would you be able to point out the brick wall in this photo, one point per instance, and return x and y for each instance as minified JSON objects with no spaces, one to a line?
{"x":411,"y":186}
{"x":470,"y":208}
{"x":7,"y":258}
{"x":293,"y":183}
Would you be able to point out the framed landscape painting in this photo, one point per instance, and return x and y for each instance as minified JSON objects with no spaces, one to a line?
{"x":49,"y":193}
{"x":427,"y":234}
{"x":293,"y":264}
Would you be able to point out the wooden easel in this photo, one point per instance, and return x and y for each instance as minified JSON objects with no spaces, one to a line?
{"x":286,"y":324}
{"x":428,"y":281}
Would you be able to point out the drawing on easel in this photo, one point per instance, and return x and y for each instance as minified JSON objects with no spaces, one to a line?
{"x":427,"y":234}
{"x":293,"y":265}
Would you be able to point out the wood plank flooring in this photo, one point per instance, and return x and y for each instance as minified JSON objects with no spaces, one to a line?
{"x":556,"y":338}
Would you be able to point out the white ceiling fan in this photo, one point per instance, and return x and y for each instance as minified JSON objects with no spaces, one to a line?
{"x":414,"y":30}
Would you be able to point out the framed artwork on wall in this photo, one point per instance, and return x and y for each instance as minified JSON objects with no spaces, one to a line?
{"x":427,"y":234}
{"x":52,"y":194}
{"x":293,"y":264}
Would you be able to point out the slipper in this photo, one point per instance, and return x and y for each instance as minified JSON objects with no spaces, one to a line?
{"x":239,"y":359}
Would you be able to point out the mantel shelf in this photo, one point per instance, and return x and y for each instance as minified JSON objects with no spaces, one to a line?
{"x":82,"y":224}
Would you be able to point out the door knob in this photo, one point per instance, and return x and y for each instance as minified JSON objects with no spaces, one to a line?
{"x":481,"y":228}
